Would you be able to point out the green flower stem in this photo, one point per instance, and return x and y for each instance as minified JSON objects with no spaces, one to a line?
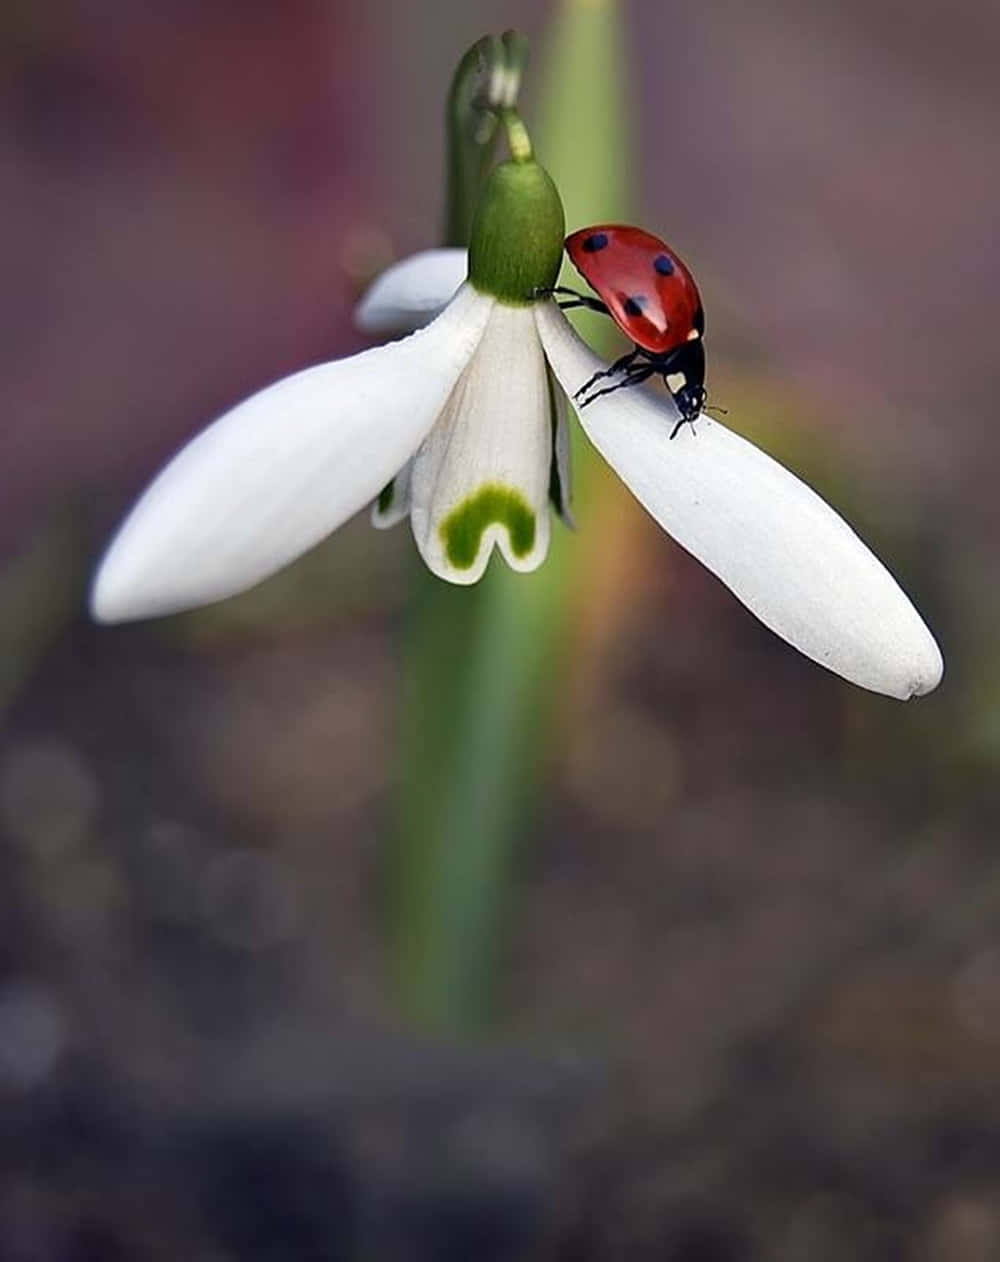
{"x":517,"y":136}
{"x":469,"y":739}
{"x":585,"y":70}
{"x":583,"y":128}
{"x":485,"y":665}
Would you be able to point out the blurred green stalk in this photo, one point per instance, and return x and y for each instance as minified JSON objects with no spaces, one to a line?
{"x":485,"y":665}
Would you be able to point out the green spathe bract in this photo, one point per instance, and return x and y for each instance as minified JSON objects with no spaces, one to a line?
{"x":462,"y":530}
{"x":517,"y":234}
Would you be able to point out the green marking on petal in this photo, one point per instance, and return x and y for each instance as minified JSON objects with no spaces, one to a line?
{"x":386,"y":496}
{"x":555,"y":481}
{"x":462,"y":530}
{"x":555,"y":485}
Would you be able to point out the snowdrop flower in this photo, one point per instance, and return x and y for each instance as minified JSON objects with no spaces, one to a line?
{"x":461,"y":426}
{"x":469,"y":397}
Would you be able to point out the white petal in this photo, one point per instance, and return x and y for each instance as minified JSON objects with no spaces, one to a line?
{"x":482,"y":475}
{"x":393,"y":503}
{"x":783,"y":551}
{"x":280,"y":471}
{"x":411,"y":292}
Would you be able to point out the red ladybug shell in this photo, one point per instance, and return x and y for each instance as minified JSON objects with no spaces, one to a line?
{"x":646,"y":286}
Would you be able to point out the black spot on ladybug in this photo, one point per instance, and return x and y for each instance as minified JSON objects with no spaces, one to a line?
{"x":635,"y":304}
{"x":596,"y":241}
{"x":664,"y":264}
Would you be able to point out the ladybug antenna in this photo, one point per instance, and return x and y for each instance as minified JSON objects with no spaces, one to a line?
{"x":714,"y":407}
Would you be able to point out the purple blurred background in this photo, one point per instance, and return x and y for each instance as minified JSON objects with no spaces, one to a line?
{"x":752,"y":993}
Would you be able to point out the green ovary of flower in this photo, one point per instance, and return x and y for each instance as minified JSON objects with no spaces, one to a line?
{"x":517,"y":234}
{"x":462,"y":530}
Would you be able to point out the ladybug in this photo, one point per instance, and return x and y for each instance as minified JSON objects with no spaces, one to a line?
{"x":649,"y":292}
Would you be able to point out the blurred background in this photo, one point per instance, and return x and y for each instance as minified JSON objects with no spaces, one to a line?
{"x":748,"y":1003}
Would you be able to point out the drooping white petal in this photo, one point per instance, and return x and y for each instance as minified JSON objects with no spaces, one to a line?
{"x":411,"y":292}
{"x":771,"y":539}
{"x":481,"y":477}
{"x":281,"y":470}
{"x":393,"y":503}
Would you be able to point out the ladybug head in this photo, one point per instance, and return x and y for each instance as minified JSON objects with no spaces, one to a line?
{"x":691,"y":401}
{"x":685,"y":379}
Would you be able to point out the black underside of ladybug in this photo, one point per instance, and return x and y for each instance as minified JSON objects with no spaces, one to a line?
{"x":682,"y":368}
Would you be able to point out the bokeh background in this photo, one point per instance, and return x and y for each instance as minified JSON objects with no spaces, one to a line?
{"x":749,"y":997}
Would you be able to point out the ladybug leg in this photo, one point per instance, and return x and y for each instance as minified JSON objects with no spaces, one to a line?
{"x":560,"y":289}
{"x":634,"y":378}
{"x":686,"y":365}
{"x":577,"y":299}
{"x":677,"y":428}
{"x":620,"y":365}
{"x":592,"y":304}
